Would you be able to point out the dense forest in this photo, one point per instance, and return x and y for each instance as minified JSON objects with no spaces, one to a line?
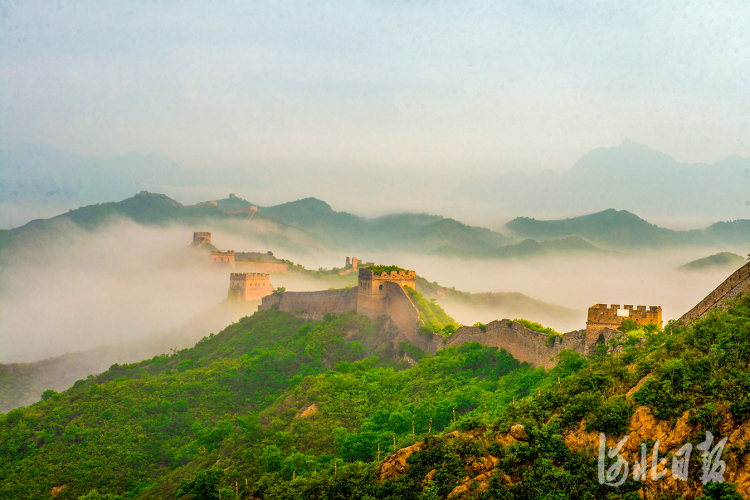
{"x":276,"y":406}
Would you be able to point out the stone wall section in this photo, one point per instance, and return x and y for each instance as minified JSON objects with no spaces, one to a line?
{"x":738,"y":282}
{"x":405,"y":316}
{"x":523,"y":344}
{"x":313,"y":305}
{"x":261,"y":267}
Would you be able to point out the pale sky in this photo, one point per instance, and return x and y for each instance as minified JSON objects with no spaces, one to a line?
{"x":510,"y":86}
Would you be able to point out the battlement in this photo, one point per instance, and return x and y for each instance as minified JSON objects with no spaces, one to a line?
{"x":601,"y":318}
{"x":249,"y":276}
{"x":393,"y":275}
{"x":249,"y":286}
{"x":373,"y":289}
{"x":225,"y":258}
{"x":600,"y":313}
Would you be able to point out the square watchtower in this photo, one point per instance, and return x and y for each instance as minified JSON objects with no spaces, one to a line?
{"x":371,"y":293}
{"x":249,"y":286}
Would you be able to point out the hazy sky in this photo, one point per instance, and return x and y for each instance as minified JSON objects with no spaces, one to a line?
{"x":514,"y":85}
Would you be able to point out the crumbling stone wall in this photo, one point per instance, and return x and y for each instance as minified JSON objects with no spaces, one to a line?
{"x":313,"y":305}
{"x":738,"y":282}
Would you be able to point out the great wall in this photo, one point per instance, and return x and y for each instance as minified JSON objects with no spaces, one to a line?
{"x":382,"y":294}
{"x":737,"y":283}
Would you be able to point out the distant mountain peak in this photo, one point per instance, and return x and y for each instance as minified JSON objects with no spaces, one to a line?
{"x":629,"y":158}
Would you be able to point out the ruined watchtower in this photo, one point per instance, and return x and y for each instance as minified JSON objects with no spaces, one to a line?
{"x":249,"y":286}
{"x":601,"y":317}
{"x":372,"y":289}
{"x":201,"y":238}
{"x":352,"y":263}
{"x":223,"y":258}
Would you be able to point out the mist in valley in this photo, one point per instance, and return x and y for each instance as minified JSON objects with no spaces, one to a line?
{"x":75,"y":290}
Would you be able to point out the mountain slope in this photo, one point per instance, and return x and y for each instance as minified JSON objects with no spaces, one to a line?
{"x":157,"y":209}
{"x":300,"y":411}
{"x":726,"y":260}
{"x":406,"y":231}
{"x":629,"y":176}
{"x":237,"y":398}
{"x":622,"y":229}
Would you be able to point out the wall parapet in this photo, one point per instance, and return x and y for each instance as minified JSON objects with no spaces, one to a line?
{"x":738,"y":282}
{"x":523,"y":344}
{"x":313,"y":305}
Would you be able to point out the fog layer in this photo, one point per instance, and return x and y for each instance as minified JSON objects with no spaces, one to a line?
{"x":75,"y":290}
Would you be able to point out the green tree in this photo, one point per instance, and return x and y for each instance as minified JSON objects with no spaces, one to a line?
{"x":204,"y":486}
{"x":48,"y":394}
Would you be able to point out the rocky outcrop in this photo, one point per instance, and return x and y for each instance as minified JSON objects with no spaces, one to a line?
{"x":395,"y":465}
{"x":518,"y":432}
{"x":644,"y":427}
{"x":479,"y":470}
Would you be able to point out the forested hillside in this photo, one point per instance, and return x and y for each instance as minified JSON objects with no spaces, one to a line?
{"x":300,"y":409}
{"x":236,"y":397}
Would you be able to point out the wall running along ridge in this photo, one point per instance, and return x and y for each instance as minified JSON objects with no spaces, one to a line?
{"x":261,"y":267}
{"x":312,"y":305}
{"x":738,"y":282}
{"x":377,"y":295}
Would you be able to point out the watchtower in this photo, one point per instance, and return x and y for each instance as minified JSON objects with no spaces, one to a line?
{"x":372,"y":293}
{"x":249,"y":286}
{"x":600,"y":317}
{"x":201,"y":238}
{"x":353,"y":263}
{"x":223,"y":258}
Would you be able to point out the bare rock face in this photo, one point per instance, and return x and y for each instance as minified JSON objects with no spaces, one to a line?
{"x":429,"y":477}
{"x":644,"y":427}
{"x":395,"y":465}
{"x":308,"y":411}
{"x":478,"y":478}
{"x":637,"y":386}
{"x":518,"y":432}
{"x":475,"y":485}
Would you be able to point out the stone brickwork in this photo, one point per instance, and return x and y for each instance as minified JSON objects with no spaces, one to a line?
{"x":201,"y":238}
{"x":261,"y":267}
{"x":312,"y":305}
{"x":737,"y":283}
{"x":401,"y":310}
{"x":384,"y":294}
{"x":372,"y":292}
{"x":520,"y":342}
{"x":249,"y":286}
{"x":601,"y":317}
{"x":223,"y":258}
